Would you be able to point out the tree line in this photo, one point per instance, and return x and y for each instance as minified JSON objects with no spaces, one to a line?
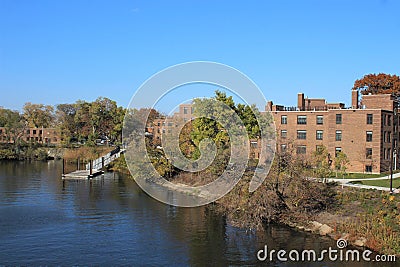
{"x":79,"y":122}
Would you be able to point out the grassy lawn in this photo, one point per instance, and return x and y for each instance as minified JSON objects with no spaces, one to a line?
{"x":357,"y":175}
{"x":383,"y":183}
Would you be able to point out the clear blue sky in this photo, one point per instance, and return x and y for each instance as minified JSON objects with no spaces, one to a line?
{"x":61,"y":51}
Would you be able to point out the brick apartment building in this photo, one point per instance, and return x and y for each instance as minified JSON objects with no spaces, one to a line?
{"x":364,"y":132}
{"x":367,"y":132}
{"x":38,"y":135}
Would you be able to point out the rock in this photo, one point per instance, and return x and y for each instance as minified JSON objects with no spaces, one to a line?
{"x":300,"y":227}
{"x":360,"y":242}
{"x":315,"y":226}
{"x":325,"y":229}
{"x":345,"y":236}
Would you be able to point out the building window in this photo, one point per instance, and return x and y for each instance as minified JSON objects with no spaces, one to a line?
{"x":389,"y":137}
{"x":384,"y":119}
{"x":389,"y":120}
{"x":185,"y":110}
{"x":384,"y":136}
{"x":302,"y":134}
{"x":301,"y":119}
{"x":1,"y":131}
{"x":338,"y":136}
{"x":338,"y":118}
{"x":283,"y":147}
{"x":301,"y":150}
{"x":370,"y":118}
{"x":283,"y":134}
{"x":40,"y":132}
{"x":28,"y":131}
{"x":337,"y":151}
{"x":368,"y":168}
{"x":368,"y":153}
{"x":320,"y":134}
{"x":254,"y":144}
{"x":283,"y":119}
{"x":34,"y":131}
{"x":320,"y":119}
{"x":369,"y":136}
{"x":389,"y":153}
{"x":319,"y":148}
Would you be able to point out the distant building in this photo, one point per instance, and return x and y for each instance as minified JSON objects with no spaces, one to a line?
{"x":35,"y":135}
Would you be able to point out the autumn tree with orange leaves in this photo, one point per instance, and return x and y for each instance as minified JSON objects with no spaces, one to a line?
{"x":378,"y":84}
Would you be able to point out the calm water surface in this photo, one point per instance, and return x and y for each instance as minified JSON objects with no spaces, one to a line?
{"x":110,"y":221}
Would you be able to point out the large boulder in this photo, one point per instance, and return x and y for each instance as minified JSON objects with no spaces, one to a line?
{"x":360,"y":242}
{"x":325,"y":229}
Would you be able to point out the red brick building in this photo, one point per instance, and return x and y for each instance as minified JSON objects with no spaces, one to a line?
{"x":38,"y":135}
{"x":367,"y":132}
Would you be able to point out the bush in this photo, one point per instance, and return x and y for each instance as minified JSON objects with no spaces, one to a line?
{"x":7,"y":154}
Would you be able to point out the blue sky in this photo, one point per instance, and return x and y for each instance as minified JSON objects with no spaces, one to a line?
{"x":61,"y":51}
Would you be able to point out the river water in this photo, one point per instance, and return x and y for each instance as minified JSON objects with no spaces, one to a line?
{"x":111,"y":221}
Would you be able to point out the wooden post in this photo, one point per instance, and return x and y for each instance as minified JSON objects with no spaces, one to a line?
{"x":91,"y":166}
{"x":102,"y":163}
{"x":77,"y":164}
{"x":63,"y":168}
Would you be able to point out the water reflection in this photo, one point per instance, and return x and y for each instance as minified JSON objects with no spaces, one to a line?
{"x":110,"y":221}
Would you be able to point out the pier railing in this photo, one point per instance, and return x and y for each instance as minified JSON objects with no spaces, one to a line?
{"x":103,"y":161}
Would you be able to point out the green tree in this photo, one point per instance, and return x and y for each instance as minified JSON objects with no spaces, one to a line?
{"x":102,"y":114}
{"x":14,"y":126}
{"x":82,"y":121}
{"x":65,"y":118}
{"x":118,"y":119}
{"x":38,"y":115}
{"x":321,"y":162}
{"x":341,"y":162}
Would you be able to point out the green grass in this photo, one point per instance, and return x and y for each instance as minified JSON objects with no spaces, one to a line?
{"x":382,"y":183}
{"x":357,"y":175}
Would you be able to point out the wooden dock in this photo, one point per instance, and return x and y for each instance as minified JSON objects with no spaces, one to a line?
{"x":82,"y":174}
{"x":94,"y":167}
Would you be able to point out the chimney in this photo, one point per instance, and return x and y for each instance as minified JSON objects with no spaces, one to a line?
{"x":354,"y":99}
{"x":268,"y":107}
{"x":300,"y":101}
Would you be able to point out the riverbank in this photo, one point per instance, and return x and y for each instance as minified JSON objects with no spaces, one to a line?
{"x":29,"y":152}
{"x":43,"y":152}
{"x":365,"y":218}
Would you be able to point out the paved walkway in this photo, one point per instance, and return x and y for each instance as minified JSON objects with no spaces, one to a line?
{"x":341,"y":180}
{"x":347,"y":182}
